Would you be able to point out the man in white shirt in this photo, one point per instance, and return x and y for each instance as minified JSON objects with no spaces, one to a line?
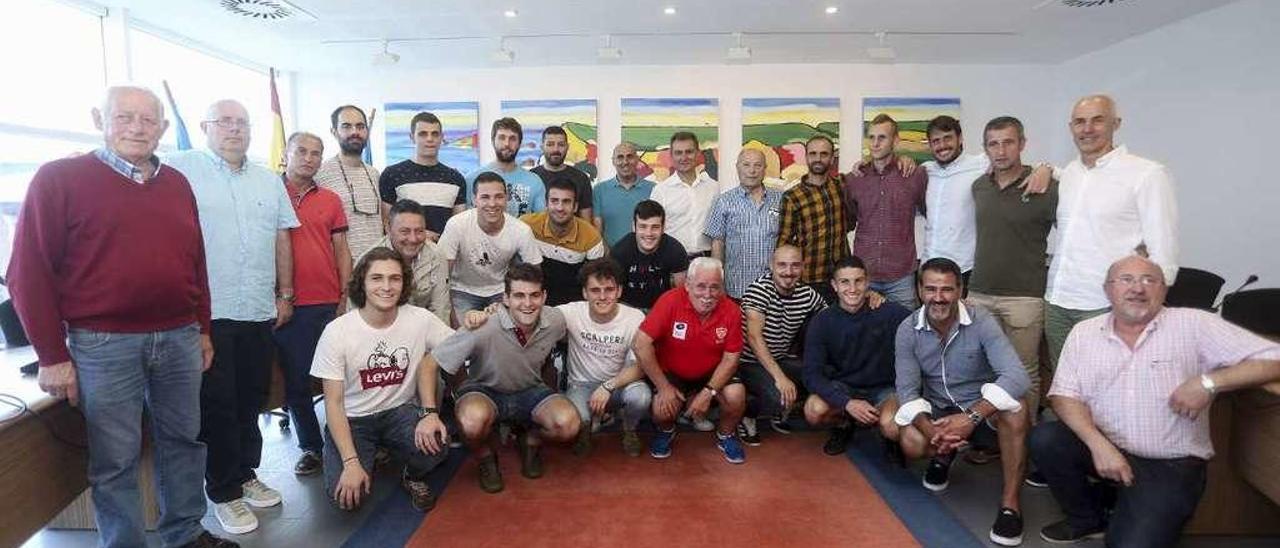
{"x":1110,"y":204}
{"x":368,"y":360}
{"x":480,"y":244}
{"x":687,"y":195}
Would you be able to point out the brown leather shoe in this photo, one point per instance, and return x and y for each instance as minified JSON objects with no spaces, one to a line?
{"x":419,"y":492}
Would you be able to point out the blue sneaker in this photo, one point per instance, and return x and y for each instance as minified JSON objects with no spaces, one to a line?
{"x":731,"y":448}
{"x":660,"y":447}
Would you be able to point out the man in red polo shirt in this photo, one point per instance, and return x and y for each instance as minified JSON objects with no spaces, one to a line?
{"x":688,"y":346}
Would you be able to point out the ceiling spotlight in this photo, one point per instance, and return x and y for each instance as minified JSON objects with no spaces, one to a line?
{"x":511,"y":13}
{"x":832,"y":10}
{"x":385,"y":58}
{"x":738,"y":53}
{"x":882,"y":52}
{"x":502,"y":55}
{"x":669,"y":10}
{"x":607,"y":52}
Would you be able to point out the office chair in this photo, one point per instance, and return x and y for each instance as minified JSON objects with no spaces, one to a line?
{"x":1194,"y":288}
{"x":1255,"y":310}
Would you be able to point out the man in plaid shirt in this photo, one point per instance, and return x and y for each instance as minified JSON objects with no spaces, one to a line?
{"x":813,"y":217}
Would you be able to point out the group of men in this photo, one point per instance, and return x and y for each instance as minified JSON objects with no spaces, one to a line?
{"x":171,"y":285}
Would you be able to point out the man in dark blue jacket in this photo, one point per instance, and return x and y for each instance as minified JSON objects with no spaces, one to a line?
{"x":849,"y":361}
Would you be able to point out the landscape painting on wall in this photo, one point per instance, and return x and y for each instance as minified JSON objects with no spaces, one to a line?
{"x":780,"y":127}
{"x":913,"y":115}
{"x":576,"y":116}
{"x":649,"y":124}
{"x":461,"y":120}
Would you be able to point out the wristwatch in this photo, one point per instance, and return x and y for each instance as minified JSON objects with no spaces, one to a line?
{"x":974,"y":416}
{"x":1208,"y":384}
{"x":424,"y":411}
{"x":712,"y":390}
{"x":286,"y":297}
{"x":608,"y":386}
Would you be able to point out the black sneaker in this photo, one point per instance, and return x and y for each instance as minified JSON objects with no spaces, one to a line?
{"x":207,"y":540}
{"x":1007,"y":530}
{"x":893,"y":453}
{"x":308,"y":464}
{"x":779,"y":424}
{"x":419,"y":492}
{"x":747,"y":432}
{"x":1036,"y":479}
{"x":838,"y":441}
{"x":938,"y":475}
{"x":1062,"y":533}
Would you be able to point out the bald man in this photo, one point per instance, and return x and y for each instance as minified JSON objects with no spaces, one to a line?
{"x":245,"y":217}
{"x":1110,"y":204}
{"x":1133,"y":391}
{"x":743,"y":225}
{"x":614,"y":201}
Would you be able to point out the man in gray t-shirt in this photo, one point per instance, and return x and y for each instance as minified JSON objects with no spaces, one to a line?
{"x":503,"y":376}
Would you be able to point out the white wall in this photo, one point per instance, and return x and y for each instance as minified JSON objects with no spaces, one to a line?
{"x":1201,"y":96}
{"x":985,"y":92}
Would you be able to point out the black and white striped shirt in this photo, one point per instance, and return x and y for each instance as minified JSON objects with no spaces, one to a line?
{"x":784,"y":316}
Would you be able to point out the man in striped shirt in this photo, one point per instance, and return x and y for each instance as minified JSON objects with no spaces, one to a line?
{"x":813,"y":217}
{"x":769,"y":365}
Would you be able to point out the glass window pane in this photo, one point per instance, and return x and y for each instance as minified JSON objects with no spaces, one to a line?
{"x":54,"y":59}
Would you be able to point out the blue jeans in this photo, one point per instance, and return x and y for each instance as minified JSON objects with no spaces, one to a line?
{"x":511,"y":407}
{"x":464,"y":302}
{"x":120,"y":375}
{"x":392,"y":428}
{"x":901,"y":290}
{"x":634,"y":399}
{"x":297,"y":342}
{"x":765,"y":400}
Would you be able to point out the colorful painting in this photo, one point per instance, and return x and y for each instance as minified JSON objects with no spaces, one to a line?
{"x":913,"y":115}
{"x":576,"y":116}
{"x":649,"y":124}
{"x":461,"y":121}
{"x":780,"y":127}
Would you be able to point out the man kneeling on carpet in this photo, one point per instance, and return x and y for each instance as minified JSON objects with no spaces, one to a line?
{"x":368,"y":360}
{"x":688,"y":346}
{"x":504,"y":360}
{"x":956,"y":373}
{"x":848,"y":361}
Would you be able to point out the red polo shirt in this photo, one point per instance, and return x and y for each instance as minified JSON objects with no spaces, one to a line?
{"x":315,"y":268}
{"x":688,"y":346}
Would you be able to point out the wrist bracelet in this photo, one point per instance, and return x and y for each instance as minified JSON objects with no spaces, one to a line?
{"x":351,"y":458}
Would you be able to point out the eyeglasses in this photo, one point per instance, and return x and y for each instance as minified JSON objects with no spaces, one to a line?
{"x":1130,"y":281}
{"x":229,"y":123}
{"x":351,"y":191}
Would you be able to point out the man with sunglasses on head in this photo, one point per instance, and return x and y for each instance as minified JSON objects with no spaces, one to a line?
{"x":354,"y":181}
{"x":245,"y":217}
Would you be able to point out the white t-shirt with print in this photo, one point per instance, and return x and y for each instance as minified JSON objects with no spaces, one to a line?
{"x":597,"y":352}
{"x":481,"y":260}
{"x":378,"y":366}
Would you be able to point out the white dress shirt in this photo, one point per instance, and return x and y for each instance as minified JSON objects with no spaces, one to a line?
{"x":687,"y":207}
{"x":1104,"y":213}
{"x":949,"y":229}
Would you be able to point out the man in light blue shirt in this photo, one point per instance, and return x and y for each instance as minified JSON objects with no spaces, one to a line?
{"x":613,"y":202}
{"x":245,"y":217}
{"x":743,"y":225}
{"x":525,"y":191}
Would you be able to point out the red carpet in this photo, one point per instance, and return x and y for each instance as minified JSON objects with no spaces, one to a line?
{"x":787,"y":494}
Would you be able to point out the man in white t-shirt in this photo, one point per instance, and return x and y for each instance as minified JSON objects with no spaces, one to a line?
{"x":480,"y":244}
{"x":368,"y":360}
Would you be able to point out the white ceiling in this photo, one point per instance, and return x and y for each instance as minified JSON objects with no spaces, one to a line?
{"x":463,"y":33}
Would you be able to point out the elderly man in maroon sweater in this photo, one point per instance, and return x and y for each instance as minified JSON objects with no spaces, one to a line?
{"x":108,"y":276}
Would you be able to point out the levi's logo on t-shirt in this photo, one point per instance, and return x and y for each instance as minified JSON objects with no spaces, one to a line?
{"x":679,"y":330}
{"x":383,"y":368}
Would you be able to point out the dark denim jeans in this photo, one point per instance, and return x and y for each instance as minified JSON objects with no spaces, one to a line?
{"x":230,"y":400}
{"x":119,"y":375}
{"x":765,"y":400}
{"x":392,"y":429}
{"x":297,"y":342}
{"x":1149,"y":513}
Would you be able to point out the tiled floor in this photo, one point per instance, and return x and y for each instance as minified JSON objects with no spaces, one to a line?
{"x":306,"y":519}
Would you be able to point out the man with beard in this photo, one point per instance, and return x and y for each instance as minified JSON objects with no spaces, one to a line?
{"x":410,"y":237}
{"x":653,"y":261}
{"x":687,"y":195}
{"x":775,"y":307}
{"x":688,"y":347}
{"x":440,"y":189}
{"x":245,"y":217}
{"x":525,"y":191}
{"x":481,"y":243}
{"x":356,"y":183}
{"x":956,"y":375}
{"x":565,"y":241}
{"x":812,"y":216}
{"x":614,"y":201}
{"x":883,"y":203}
{"x":555,"y":145}
{"x":743,"y":225}
{"x":504,"y":359}
{"x":1133,"y":391}
{"x":321,"y":270}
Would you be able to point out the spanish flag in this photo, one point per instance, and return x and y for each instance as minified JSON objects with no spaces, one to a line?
{"x":276,"y":162}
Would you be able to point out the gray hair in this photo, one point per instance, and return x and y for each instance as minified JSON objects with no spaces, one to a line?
{"x":706,"y":263}
{"x":302,"y":135}
{"x":116,"y":91}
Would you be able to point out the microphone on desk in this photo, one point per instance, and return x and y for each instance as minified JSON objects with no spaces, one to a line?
{"x":1248,"y":282}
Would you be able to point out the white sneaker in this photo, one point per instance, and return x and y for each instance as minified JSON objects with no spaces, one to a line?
{"x":701,"y":425}
{"x":236,"y":517}
{"x":258,"y":495}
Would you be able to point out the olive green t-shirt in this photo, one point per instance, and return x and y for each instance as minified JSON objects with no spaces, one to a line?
{"x":1013,"y":237}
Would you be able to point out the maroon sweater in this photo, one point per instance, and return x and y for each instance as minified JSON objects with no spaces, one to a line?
{"x":96,"y":250}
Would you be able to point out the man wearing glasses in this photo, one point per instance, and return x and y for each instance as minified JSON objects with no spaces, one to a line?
{"x":354,"y":181}
{"x":245,"y":217}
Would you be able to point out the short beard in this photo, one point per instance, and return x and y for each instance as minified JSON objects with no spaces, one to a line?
{"x":818,"y":168}
{"x":351,"y":149}
{"x":506,"y":159}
